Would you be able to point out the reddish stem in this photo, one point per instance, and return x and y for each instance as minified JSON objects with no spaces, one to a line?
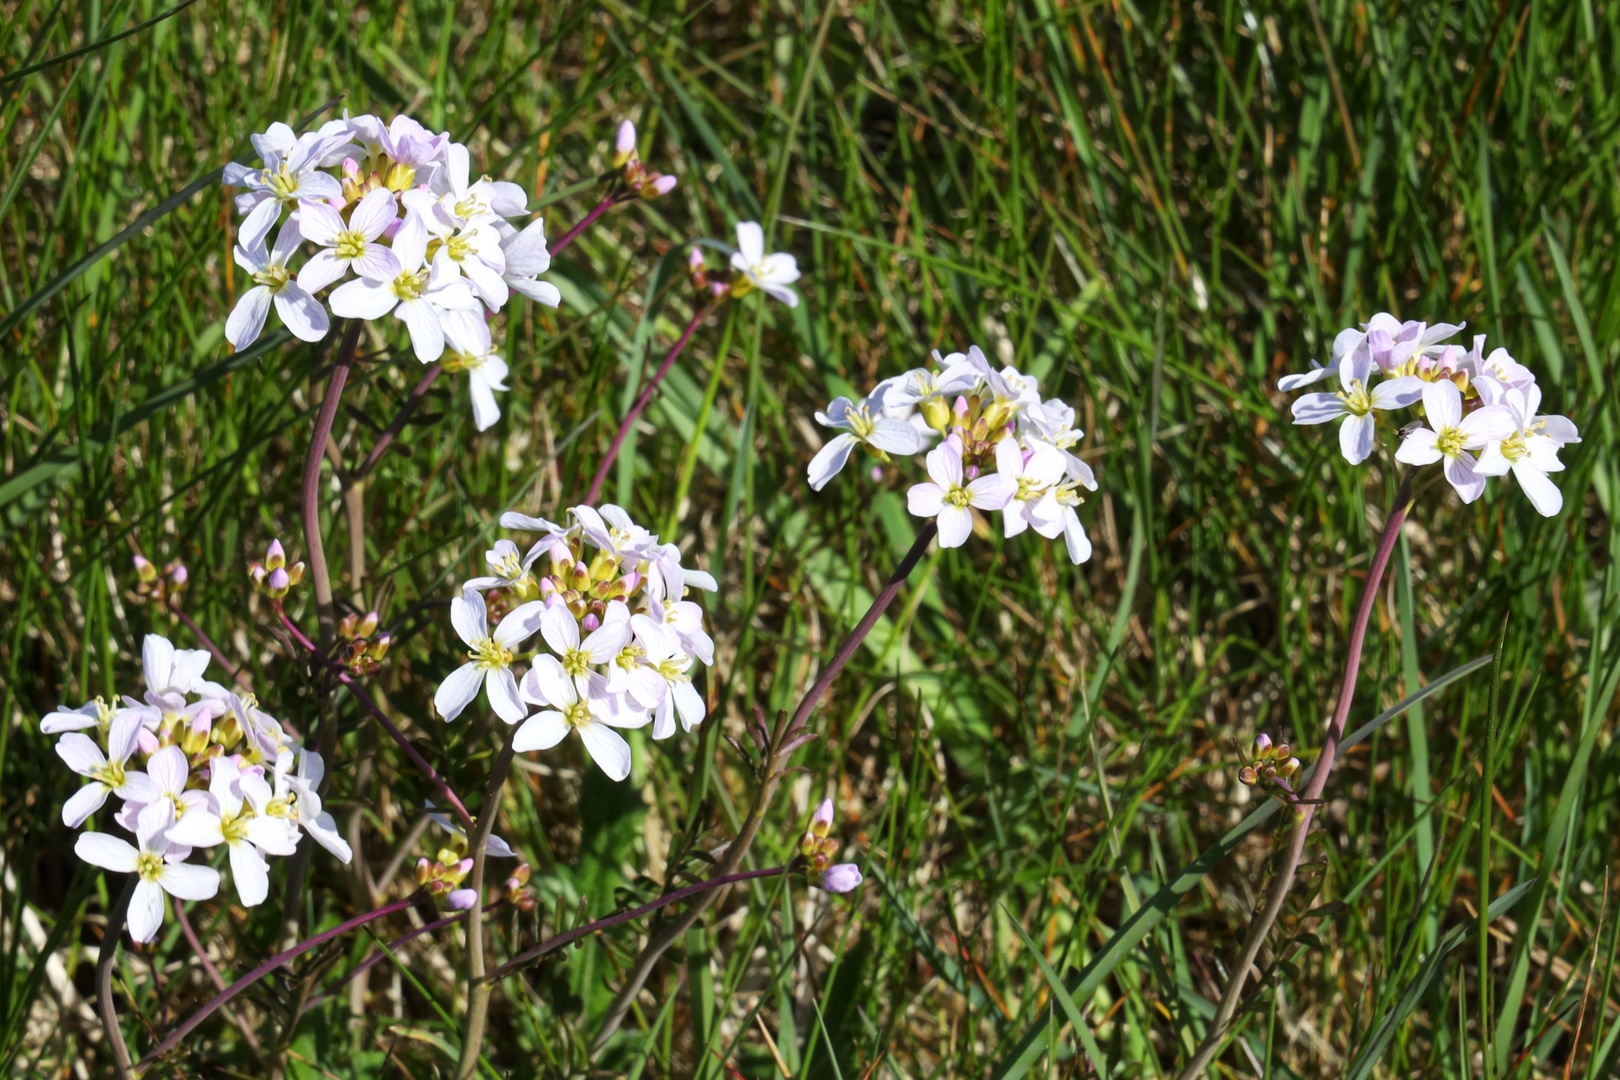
{"x":212,"y":971}
{"x":219,"y":1000}
{"x":573,"y":234}
{"x":641,"y":403}
{"x":405,"y":939}
{"x":208,"y":643}
{"x":382,"y":718}
{"x":400,"y":420}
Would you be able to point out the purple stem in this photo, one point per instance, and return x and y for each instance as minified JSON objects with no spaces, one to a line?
{"x":641,"y":403}
{"x":573,"y":234}
{"x":404,"y":415}
{"x":1305,"y":808}
{"x":314,"y":549}
{"x":212,"y":971}
{"x":208,"y":643}
{"x":220,"y":999}
{"x":377,"y":957}
{"x":382,"y":718}
{"x":552,"y":944}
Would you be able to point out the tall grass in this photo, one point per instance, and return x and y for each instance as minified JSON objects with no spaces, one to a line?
{"x":1157,"y":208}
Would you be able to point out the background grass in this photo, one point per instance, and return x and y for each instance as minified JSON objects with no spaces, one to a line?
{"x":1157,"y":208}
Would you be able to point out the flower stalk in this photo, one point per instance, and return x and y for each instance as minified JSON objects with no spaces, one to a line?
{"x":104,"y":977}
{"x":477,"y":987}
{"x":1305,"y":805}
{"x":312,"y":483}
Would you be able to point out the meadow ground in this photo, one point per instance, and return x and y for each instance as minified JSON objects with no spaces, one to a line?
{"x":1156,"y":207}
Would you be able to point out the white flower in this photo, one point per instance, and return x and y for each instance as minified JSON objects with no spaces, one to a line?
{"x":772,"y":273}
{"x":420,"y":296}
{"x":560,"y":630}
{"x":686,"y":619}
{"x":491,"y":662}
{"x":470,"y":248}
{"x":92,"y":714}
{"x":473,"y":351}
{"x":1501,"y":368}
{"x":273,"y":281}
{"x":106,"y":772}
{"x":1035,"y":474}
{"x":1008,"y":385}
{"x":667,"y":578}
{"x":291,"y":172}
{"x":1355,"y":403}
{"x":524,"y":523}
{"x":1390,"y":343}
{"x":167,"y":802}
{"x":306,"y":805}
{"x":511,"y":569}
{"x":527,"y":258}
{"x":957,"y":376}
{"x":1451,"y":434}
{"x":414,"y":146}
{"x":1075,"y":539}
{"x":350,"y":245}
{"x":494,"y":846}
{"x":159,"y":869}
{"x":589,"y":711}
{"x":479,"y":200}
{"x":1315,"y":375}
{"x":1531,"y":450}
{"x":863,"y":423}
{"x":614,"y":532}
{"x":1052,"y":422}
{"x":948,"y":498}
{"x":662,"y":657}
{"x":242,"y":823}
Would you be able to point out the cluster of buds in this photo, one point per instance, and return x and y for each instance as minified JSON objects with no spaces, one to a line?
{"x":159,"y":586}
{"x":1270,"y":763}
{"x":817,"y":848}
{"x":443,"y":875}
{"x":274,"y":577}
{"x":636,"y":176}
{"x":361,"y":648}
{"x":515,"y":890}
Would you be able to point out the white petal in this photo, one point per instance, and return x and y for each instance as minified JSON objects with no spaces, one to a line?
{"x":1317,"y":408}
{"x":1356,"y":437}
{"x":486,"y":410}
{"x":157,"y":662}
{"x":427,"y":335}
{"x":558,"y":627}
{"x":541,"y":731}
{"x":458,"y":690}
{"x":1315,"y":375}
{"x":1464,"y":478}
{"x":362,"y":299}
{"x":541,"y":292}
{"x":468,"y":616}
{"x":189,"y":881}
{"x":502,"y":688}
{"x":197,"y":829}
{"x":547,"y":684}
{"x":251,"y":874}
{"x":246,"y":320}
{"x":830,"y":460}
{"x":1442,"y":404}
{"x":169,"y":770}
{"x":945,"y":464}
{"x":302,"y":313}
{"x":607,"y":748}
{"x":1484,"y":425}
{"x":925,"y":500}
{"x":1492,"y":462}
{"x":260,"y":220}
{"x":80,"y":752}
{"x":895,"y":437}
{"x":373,"y":215}
{"x":375,"y":262}
{"x":1075,"y":538}
{"x":690,"y":704}
{"x":320,"y":223}
{"x":992,"y":491}
{"x":519,"y":624}
{"x":146,"y":911}
{"x":324,"y":829}
{"x":82,"y":803}
{"x":273,"y":835}
{"x":106,"y":851}
{"x":1398,"y":393}
{"x":1542,"y":492}
{"x":322,"y":269}
{"x":955,"y":526}
{"x":1418,"y":448}
{"x":751,"y":242}
{"x":410,"y":242}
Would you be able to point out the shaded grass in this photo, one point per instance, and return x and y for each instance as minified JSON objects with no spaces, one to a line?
{"x":1157,"y":208}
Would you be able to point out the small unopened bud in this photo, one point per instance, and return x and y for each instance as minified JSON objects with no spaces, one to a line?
{"x":347,"y":625}
{"x":843,"y":878}
{"x":1289,"y":767}
{"x":379,"y":645}
{"x":278,"y":583}
{"x":295,"y":574}
{"x":145,"y":570}
{"x":1262,"y":745}
{"x":937,"y":414}
{"x":821,"y":821}
{"x":624,"y":144}
{"x":178,"y":574}
{"x":368,"y":625}
{"x":424,"y":870}
{"x":1247,"y":776}
{"x":590,"y":623}
{"x":462,"y":899}
{"x":275,"y":557}
{"x":661,"y":184}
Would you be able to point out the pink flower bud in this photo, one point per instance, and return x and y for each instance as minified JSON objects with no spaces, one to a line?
{"x":694,"y":259}
{"x":843,"y":878}
{"x":179,"y":574}
{"x":625,"y":142}
{"x":589,"y":623}
{"x":462,"y":899}
{"x":144,"y":569}
{"x":661,"y":185}
{"x":278,"y":582}
{"x":821,"y":821}
{"x":275,"y":557}
{"x":1262,"y":745}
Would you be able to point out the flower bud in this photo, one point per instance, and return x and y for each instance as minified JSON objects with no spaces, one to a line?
{"x":347,"y":626}
{"x":1289,"y":767}
{"x":462,"y":899}
{"x":843,"y":878}
{"x":424,"y":870}
{"x":379,"y":645}
{"x":1262,"y":746}
{"x":275,"y":557}
{"x":400,"y":177}
{"x":821,"y":821}
{"x":144,"y":570}
{"x":278,"y":583}
{"x":178,"y":574}
{"x":295,"y":574}
{"x":624,"y":144}
{"x":1247,"y":776}
{"x":660,"y":184}
{"x":937,"y":414}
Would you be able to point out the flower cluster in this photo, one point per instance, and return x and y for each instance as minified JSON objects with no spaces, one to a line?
{"x":399,"y":226}
{"x":817,"y":849}
{"x":195,"y":766}
{"x":1481,"y":411}
{"x":636,"y":176}
{"x":442,"y":876}
{"x":360,"y":647}
{"x":997,"y":445}
{"x":274,"y":577}
{"x":608,"y":601}
{"x":1270,"y":762}
{"x":159,"y":586}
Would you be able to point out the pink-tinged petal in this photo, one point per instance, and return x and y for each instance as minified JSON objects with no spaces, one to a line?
{"x":541,"y":731}
{"x":362,"y":299}
{"x":541,"y":292}
{"x":302,"y":313}
{"x":1418,"y":448}
{"x":830,"y":460}
{"x":189,"y":881}
{"x":1013,"y":522}
{"x":251,"y":874}
{"x":146,"y":906}
{"x":1486,"y":425}
{"x":781,"y":293}
{"x":106,"y":851}
{"x":373,"y":215}
{"x":690,"y":704}
{"x":375,"y":262}
{"x":955,"y":526}
{"x":925,"y":500}
{"x":1442,"y":404}
{"x":606,"y":641}
{"x":1356,"y":438}
{"x":169,"y":770}
{"x":519,"y":624}
{"x":1464,"y":477}
{"x":80,"y":752}
{"x":1559,"y":429}
{"x":992,"y":491}
{"x":560,"y":630}
{"x":138,"y":788}
{"x":842,"y":878}
{"x":82,"y":803}
{"x":85,"y":716}
{"x":501,"y":685}
{"x":945,"y":464}
{"x":458,"y":690}
{"x":322,"y":269}
{"x":246,"y":320}
{"x":607,"y":748}
{"x":1398,"y":393}
{"x":1317,"y":408}
{"x":320,"y":222}
{"x":1541,"y":491}
{"x":664,"y":719}
{"x":427,"y":335}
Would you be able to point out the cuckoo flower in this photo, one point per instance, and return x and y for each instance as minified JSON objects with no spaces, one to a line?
{"x":588,"y":710}
{"x":273,"y":283}
{"x":291,"y":173}
{"x":242,"y":824}
{"x":1354,"y":403}
{"x":1450,"y":435}
{"x":491,"y":657}
{"x":348,"y":245}
{"x":948,"y":494}
{"x":1530,"y":451}
{"x":107,"y":772}
{"x":472,"y":351}
{"x":422,"y":297}
{"x":860,"y":424}
{"x":770,"y":273}
{"x":159,"y":868}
